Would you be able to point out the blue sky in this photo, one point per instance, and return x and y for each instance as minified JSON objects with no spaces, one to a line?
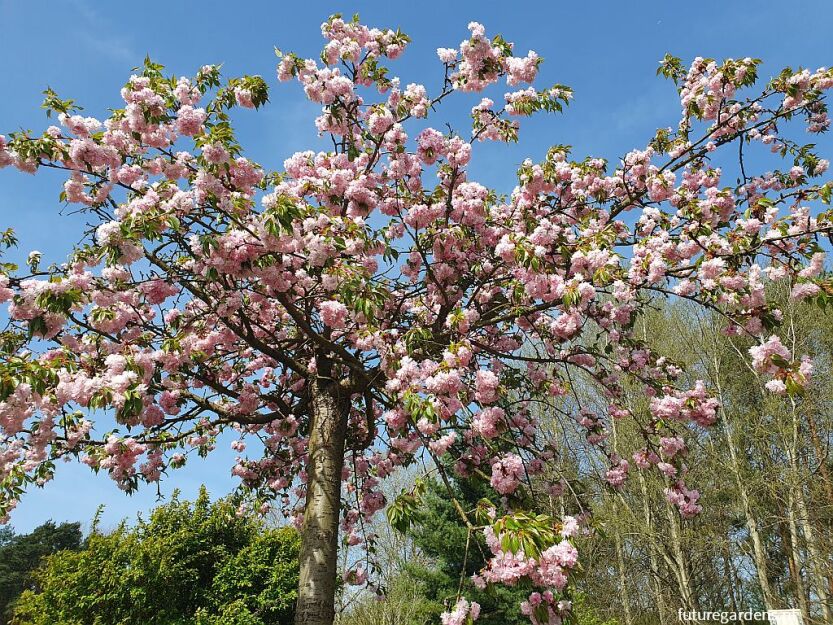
{"x":606,"y":51}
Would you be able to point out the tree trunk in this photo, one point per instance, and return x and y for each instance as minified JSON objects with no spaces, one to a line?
{"x":821,"y":459}
{"x":796,"y":555}
{"x":319,"y":534}
{"x":656,"y":582}
{"x":758,"y":549}
{"x":792,"y":564}
{"x":683,"y":576}
{"x":620,"y":557}
{"x":729,"y":575}
{"x":620,"y":562}
{"x":816,"y":558}
{"x":797,"y":490}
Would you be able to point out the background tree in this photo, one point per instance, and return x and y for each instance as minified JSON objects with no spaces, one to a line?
{"x":188,"y":563}
{"x":366,"y":307}
{"x":20,"y":554}
{"x":454,"y":555}
{"x":754,"y":546}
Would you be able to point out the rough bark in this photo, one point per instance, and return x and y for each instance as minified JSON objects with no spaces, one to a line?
{"x":319,"y":534}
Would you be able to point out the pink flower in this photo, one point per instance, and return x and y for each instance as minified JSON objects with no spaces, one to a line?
{"x":778,"y":387}
{"x":380,"y":121}
{"x":489,"y":422}
{"x":671,"y":446}
{"x":157,"y":291}
{"x":442,"y":445}
{"x":447,"y":55}
{"x":617,"y":475}
{"x":522,"y":69}
{"x":189,"y":120}
{"x":507,"y":473}
{"x":803,"y":290}
{"x":486,"y":387}
{"x":333,"y":314}
{"x":462,"y":611}
{"x":243,"y":97}
{"x":767,"y":356}
{"x":215,"y":153}
{"x":430,"y":144}
{"x":569,"y":527}
{"x":356,"y":576}
{"x":684,"y":499}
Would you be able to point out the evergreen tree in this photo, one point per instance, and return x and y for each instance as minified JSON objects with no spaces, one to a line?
{"x":456,"y":555}
{"x":20,"y":554}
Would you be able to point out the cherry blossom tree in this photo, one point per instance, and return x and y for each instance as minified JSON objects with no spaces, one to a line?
{"x":370,"y":305}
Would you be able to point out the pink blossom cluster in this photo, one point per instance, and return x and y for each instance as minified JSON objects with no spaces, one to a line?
{"x":463,"y":613}
{"x":547,"y":570}
{"x":684,"y":498}
{"x":618,"y":474}
{"x":772,"y":358}
{"x":693,"y":405}
{"x":333,"y":314}
{"x":507,"y":473}
{"x":480,"y":62}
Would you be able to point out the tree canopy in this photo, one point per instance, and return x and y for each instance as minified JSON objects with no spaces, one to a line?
{"x":20,"y":554}
{"x":369,"y":304}
{"x":196,"y":563}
